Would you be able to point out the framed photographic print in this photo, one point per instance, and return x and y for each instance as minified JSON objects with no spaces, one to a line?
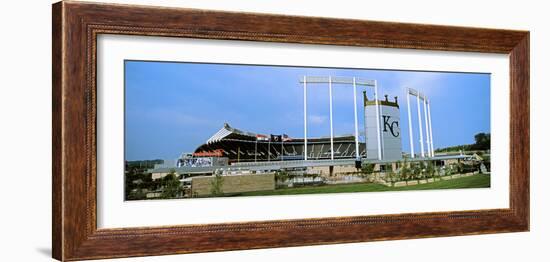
{"x":191,"y":131}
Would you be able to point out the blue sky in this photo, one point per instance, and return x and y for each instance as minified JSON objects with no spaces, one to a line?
{"x":172,"y":108}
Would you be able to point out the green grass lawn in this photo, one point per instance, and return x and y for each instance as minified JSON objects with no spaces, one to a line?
{"x":475,"y":181}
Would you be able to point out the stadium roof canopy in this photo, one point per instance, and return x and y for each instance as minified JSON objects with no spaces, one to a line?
{"x":226,"y":131}
{"x":240,"y":145}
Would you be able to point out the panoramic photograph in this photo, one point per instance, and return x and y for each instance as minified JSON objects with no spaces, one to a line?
{"x":202,"y":130}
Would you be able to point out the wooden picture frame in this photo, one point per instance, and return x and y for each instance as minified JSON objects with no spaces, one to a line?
{"x":76,"y":26}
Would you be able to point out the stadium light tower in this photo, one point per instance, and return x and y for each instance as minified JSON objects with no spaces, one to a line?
{"x":411,"y":143}
{"x":305,"y":117}
{"x":427,"y":123}
{"x":345,"y":81}
{"x":420,"y":125}
{"x":430,"y":124}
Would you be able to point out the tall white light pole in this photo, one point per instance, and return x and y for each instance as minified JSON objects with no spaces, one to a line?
{"x":411,"y":143}
{"x":427,"y":128}
{"x":431,"y":134}
{"x":420,"y":125}
{"x":305,"y":118}
{"x":330,"y":112}
{"x":343,"y":81}
{"x":357,"y":157}
{"x":427,"y":122}
{"x":269,"y":150}
{"x":282,"y":149}
{"x":376,"y":103}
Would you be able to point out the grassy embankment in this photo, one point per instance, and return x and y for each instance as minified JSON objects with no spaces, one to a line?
{"x":475,"y":181}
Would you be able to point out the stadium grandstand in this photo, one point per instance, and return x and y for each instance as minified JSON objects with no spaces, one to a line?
{"x":242,"y":146}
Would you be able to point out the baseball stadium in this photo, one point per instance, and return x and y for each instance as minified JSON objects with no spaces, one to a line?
{"x":249,"y":162}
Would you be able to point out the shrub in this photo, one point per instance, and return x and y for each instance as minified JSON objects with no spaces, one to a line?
{"x":216,"y":185}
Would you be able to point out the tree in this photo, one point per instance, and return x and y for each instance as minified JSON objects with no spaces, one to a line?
{"x":487,"y":162}
{"x":483,"y":141}
{"x":216,"y":185}
{"x":450,"y":169}
{"x":137,"y":183}
{"x":171,"y":185}
{"x":430,"y":170}
{"x":281,"y":176}
{"x":417,"y":170}
{"x":391,"y":175}
{"x":460,"y":168}
{"x":405,"y":171}
{"x":367,"y":169}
